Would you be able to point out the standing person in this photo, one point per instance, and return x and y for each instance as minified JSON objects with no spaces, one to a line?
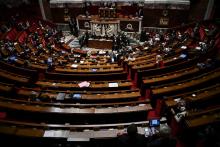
{"x":131,"y":138}
{"x":86,"y":38}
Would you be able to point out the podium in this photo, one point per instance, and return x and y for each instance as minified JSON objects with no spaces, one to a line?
{"x":100,"y":43}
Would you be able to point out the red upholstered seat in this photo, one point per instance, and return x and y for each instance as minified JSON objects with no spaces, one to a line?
{"x":155,"y":113}
{"x":2,"y":115}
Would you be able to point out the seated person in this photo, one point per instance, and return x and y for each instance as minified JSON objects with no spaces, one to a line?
{"x":184,"y":54}
{"x":49,"y":61}
{"x":12,"y":59}
{"x":163,"y":138}
{"x":159,"y":61}
{"x":131,"y":138}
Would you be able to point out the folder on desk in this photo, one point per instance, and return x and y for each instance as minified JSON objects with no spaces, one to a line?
{"x":60,"y":96}
{"x":76,"y":96}
{"x":112,"y":84}
{"x":56,"y":133}
{"x":48,"y":133}
{"x":84,"y":84}
{"x":74,"y":65}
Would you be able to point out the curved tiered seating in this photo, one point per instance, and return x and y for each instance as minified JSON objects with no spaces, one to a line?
{"x":37,"y":97}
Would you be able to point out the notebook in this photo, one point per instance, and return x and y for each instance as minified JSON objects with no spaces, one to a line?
{"x":112,"y":84}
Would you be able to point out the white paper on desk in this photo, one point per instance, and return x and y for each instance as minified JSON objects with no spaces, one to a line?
{"x":74,"y":65}
{"x":61,"y":133}
{"x":48,"y":133}
{"x":105,"y":134}
{"x":56,"y":109}
{"x":183,"y":47}
{"x":142,"y":105}
{"x":112,"y":84}
{"x":81,"y":135}
{"x":141,"y":130}
{"x":84,"y":84}
{"x":56,"y":133}
{"x":60,"y":96}
{"x":177,"y":99}
{"x":78,"y":139}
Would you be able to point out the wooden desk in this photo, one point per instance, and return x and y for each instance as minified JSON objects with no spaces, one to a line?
{"x":18,"y":70}
{"x":6,"y":88}
{"x":79,"y":132}
{"x":170,"y":103}
{"x":166,"y":69}
{"x":204,"y":95}
{"x":39,"y":67}
{"x":73,"y":110}
{"x":201,"y":95}
{"x":93,"y":85}
{"x":88,"y":77}
{"x":153,"y":65}
{"x":21,"y":100}
{"x":94,"y":65}
{"x":141,"y":61}
{"x":129,"y":95}
{"x":100,"y":44}
{"x":89,"y":70}
{"x":174,"y":76}
{"x":29,"y":132}
{"x":14,"y":77}
{"x":203,"y":118}
{"x":190,"y":84}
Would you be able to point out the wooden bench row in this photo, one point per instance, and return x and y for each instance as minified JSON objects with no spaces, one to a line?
{"x":94,"y":85}
{"x":75,"y":115}
{"x":68,"y":131}
{"x":88,"y":77}
{"x":78,"y":96}
{"x":12,"y":77}
{"x":198,"y":96}
{"x":190,"y":84}
{"x":18,"y":70}
{"x":90,"y":70}
{"x":158,"y":71}
{"x":203,"y":117}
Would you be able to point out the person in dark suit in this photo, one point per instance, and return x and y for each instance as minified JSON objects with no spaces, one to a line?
{"x":163,"y":138}
{"x":131,"y":138}
{"x":86,"y":38}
